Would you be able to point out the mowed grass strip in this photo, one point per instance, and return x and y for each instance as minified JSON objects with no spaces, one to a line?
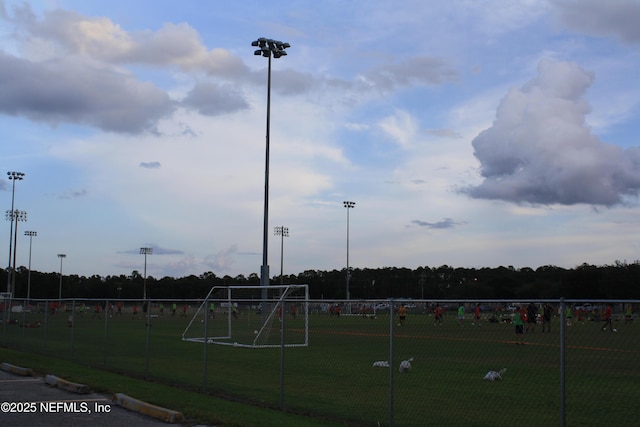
{"x":334,"y":377}
{"x":199,"y":408}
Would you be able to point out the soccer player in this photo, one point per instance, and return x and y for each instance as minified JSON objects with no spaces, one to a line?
{"x":628,"y":317}
{"x":476,"y":316}
{"x":547,"y":311}
{"x":460,"y":314}
{"x":607,"y":319}
{"x":532,"y":317}
{"x":518,"y":321}
{"x":402,"y":314}
{"x":437,"y":312}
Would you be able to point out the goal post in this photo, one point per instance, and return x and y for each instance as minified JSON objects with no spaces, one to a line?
{"x":252,"y":316}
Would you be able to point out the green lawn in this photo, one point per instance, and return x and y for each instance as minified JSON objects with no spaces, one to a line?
{"x":333,"y":377}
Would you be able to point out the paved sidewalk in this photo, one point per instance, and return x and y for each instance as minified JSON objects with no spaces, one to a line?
{"x":28,"y":401}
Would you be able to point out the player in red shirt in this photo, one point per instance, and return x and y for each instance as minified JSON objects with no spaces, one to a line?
{"x":607,"y":319}
{"x":476,"y":316}
{"x":437,"y":312}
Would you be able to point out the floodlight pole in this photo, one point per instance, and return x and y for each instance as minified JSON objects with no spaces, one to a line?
{"x":31,"y":235}
{"x":282,"y":232}
{"x":17,"y":216}
{"x":13,"y":176}
{"x":145,"y":252}
{"x":348,"y":205}
{"x":61,"y":256}
{"x":267,"y":48}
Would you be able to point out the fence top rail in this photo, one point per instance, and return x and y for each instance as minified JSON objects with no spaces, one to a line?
{"x":343,"y":301}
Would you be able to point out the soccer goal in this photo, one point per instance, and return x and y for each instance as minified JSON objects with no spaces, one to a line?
{"x":252,"y":316}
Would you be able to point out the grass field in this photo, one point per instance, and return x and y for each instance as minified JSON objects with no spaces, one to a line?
{"x":333,"y":377}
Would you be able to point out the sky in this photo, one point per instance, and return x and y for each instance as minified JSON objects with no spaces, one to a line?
{"x":469,"y":133}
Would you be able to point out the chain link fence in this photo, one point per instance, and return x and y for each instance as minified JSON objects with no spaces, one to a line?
{"x":369,"y":362}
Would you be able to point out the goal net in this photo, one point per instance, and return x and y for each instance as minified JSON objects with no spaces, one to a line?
{"x":252,"y":316}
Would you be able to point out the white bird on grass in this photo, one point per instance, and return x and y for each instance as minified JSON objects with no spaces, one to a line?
{"x":405,"y":365}
{"x":381,"y":364}
{"x":495,"y":376}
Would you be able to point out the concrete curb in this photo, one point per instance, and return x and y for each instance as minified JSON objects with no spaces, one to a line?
{"x":166,"y":415}
{"x":54,"y":381}
{"x":18,"y":370}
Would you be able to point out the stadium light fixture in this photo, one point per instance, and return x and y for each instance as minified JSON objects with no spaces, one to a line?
{"x":349,"y":205}
{"x":267,"y":49}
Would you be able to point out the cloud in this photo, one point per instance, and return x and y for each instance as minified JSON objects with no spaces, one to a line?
{"x":420,"y":70}
{"x":617,"y":18}
{"x":400,"y":127}
{"x":540,"y":150}
{"x":150,"y":165}
{"x":223,"y":260}
{"x":72,"y":194}
{"x":444,"y":133}
{"x":73,"y":90}
{"x":156,"y":250}
{"x":68,"y":32}
{"x":213,"y":100}
{"x":440,"y":225}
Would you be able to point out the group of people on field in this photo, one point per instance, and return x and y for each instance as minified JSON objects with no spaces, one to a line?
{"x":525,"y":317}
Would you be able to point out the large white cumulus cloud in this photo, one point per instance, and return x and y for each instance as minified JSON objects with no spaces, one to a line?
{"x":540,"y":150}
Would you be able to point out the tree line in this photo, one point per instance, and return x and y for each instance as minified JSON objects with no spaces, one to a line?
{"x":617,"y":281}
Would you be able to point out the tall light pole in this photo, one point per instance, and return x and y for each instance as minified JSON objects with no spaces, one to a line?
{"x":61,"y":256}
{"x":13,"y":176}
{"x":145,"y":252}
{"x":348,"y":205}
{"x":267,"y":48}
{"x":17,"y":216}
{"x":282,"y":232}
{"x":31,"y":235}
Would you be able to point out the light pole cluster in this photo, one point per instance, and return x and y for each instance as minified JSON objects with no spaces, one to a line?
{"x":13,"y":176}
{"x":349,"y":205}
{"x":145,"y":252}
{"x":16,"y":216}
{"x":282,"y":232}
{"x":267,"y":48}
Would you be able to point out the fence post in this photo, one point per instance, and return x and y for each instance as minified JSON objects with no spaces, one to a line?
{"x":5,"y":319}
{"x":391,"y":363}
{"x":70,"y":323}
{"x":283,"y":313}
{"x":46,"y":316}
{"x":562,"y":363}
{"x":206,"y":343}
{"x":24,"y":323}
{"x":105,"y":340}
{"x":148,"y":302}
